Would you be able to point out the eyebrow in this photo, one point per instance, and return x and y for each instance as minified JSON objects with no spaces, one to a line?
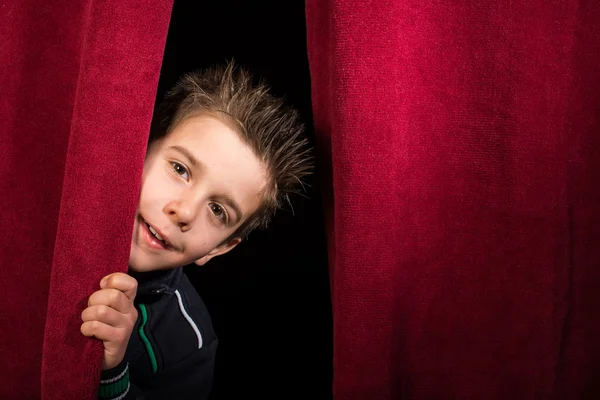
{"x":187,"y":154}
{"x":222,"y":198}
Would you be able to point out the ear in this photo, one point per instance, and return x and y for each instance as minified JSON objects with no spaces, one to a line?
{"x":217,"y":251}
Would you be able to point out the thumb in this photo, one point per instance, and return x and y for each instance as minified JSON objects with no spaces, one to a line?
{"x":122,"y":282}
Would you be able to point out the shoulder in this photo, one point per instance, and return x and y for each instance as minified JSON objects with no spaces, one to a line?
{"x":178,"y":327}
{"x":190,"y":306}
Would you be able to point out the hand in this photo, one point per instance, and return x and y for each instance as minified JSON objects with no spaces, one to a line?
{"x":111,"y":315}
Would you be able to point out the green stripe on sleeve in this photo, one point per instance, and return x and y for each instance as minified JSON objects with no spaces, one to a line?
{"x":115,"y":388}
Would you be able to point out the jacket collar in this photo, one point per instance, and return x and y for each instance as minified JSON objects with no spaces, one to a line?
{"x":157,"y":282}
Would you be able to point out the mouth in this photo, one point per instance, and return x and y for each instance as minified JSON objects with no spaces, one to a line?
{"x":155,"y":238}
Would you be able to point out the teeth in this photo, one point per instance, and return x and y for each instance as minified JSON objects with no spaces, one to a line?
{"x":155,"y":233}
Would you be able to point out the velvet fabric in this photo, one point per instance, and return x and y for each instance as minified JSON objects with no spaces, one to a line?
{"x":460,"y":142}
{"x":77,"y":88}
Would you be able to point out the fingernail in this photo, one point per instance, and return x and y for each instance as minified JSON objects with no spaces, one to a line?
{"x":103,"y":283}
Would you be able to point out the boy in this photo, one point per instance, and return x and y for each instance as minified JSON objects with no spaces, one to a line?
{"x":223,"y":155}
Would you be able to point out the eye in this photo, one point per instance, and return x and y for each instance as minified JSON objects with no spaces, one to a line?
{"x":180,"y":170}
{"x":219,"y":212}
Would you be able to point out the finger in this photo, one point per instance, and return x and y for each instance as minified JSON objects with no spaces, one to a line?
{"x":112,"y":298}
{"x":104,"y":332}
{"x":120,"y":281}
{"x":104,"y":314}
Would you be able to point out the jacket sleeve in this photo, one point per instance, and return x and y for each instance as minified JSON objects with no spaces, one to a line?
{"x":115,"y":384}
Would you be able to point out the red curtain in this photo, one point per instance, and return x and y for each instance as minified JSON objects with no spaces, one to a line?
{"x":77,"y":87}
{"x":461,"y":140}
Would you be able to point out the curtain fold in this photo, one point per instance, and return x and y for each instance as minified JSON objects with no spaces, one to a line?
{"x":77,"y":83}
{"x":461,"y":141}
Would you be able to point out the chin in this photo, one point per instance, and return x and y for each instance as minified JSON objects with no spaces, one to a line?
{"x":136,"y":267}
{"x":142,"y":265}
{"x":138,"y":264}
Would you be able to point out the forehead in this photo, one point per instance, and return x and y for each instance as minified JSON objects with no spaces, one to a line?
{"x":226,"y":163}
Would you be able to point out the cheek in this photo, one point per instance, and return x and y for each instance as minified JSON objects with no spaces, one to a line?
{"x":199,"y":245}
{"x":205,"y":236}
{"x":156,"y":187}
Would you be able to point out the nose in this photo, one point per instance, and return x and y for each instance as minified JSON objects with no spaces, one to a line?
{"x":181,"y":213}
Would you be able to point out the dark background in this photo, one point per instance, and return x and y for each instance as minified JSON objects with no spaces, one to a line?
{"x":269,"y":298}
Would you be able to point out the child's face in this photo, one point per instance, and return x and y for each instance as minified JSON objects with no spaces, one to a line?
{"x":199,"y":184}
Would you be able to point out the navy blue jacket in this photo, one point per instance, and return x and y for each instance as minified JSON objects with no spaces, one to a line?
{"x":171,"y":352}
